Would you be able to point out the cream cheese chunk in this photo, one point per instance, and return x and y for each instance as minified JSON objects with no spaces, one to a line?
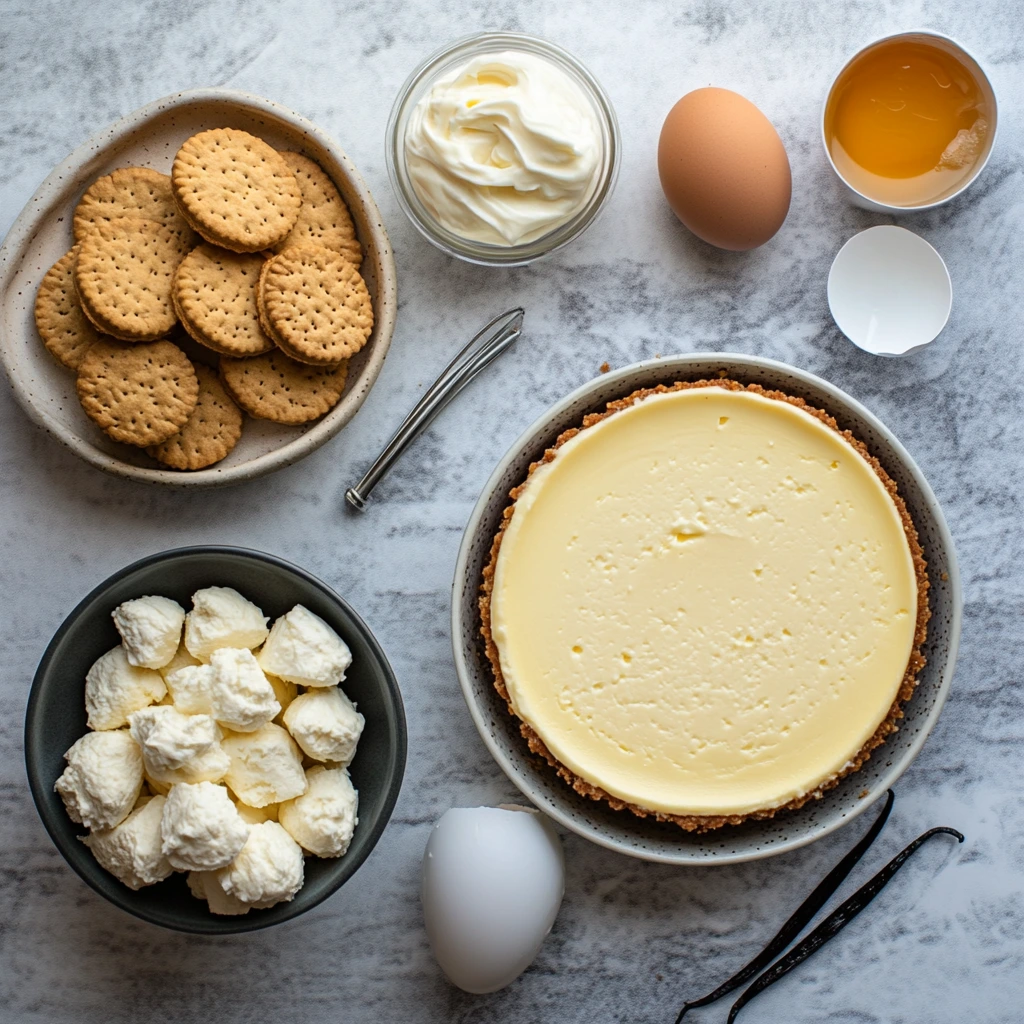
{"x":150,"y":629}
{"x":325,"y":724}
{"x":303,"y":649}
{"x":177,"y":747}
{"x":284,"y":691}
{"x":257,"y":815}
{"x":265,"y":766}
{"x":323,"y":820}
{"x":267,"y":870}
{"x":241,"y":695}
{"x":181,"y":659}
{"x":705,"y":604}
{"x":133,"y":850}
{"x":222,"y":617}
{"x":205,"y":885}
{"x":200,"y":828}
{"x":102,"y":779}
{"x":191,"y":689}
{"x":114,"y":688}
{"x":210,"y":766}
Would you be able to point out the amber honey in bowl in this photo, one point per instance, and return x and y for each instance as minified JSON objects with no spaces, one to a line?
{"x":909,"y":120}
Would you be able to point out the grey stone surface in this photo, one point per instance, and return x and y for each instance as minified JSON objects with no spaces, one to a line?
{"x":945,"y":942}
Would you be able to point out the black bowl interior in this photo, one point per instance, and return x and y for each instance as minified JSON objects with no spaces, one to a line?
{"x":56,"y":718}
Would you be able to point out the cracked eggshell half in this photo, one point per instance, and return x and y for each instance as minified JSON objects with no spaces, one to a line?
{"x":889,"y":291}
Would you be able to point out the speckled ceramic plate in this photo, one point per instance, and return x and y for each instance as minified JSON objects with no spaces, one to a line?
{"x":42,"y":233}
{"x":643,"y":837}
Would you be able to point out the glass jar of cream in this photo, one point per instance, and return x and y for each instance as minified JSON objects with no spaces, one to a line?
{"x":502,"y":148}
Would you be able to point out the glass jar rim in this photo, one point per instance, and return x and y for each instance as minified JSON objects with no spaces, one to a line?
{"x":415,"y":86}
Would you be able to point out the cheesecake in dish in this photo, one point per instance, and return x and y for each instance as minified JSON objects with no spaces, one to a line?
{"x":706,"y":604}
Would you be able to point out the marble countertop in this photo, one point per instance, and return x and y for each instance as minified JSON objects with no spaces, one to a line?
{"x":945,"y":942}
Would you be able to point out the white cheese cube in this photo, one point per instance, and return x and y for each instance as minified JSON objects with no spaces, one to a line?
{"x":221,"y":617}
{"x":114,"y":688}
{"x":266,"y":766}
{"x":103,"y":779}
{"x":133,"y":851}
{"x":200,"y":828}
{"x":268,"y":870}
{"x":325,"y":724}
{"x":240,"y":693}
{"x":303,"y":649}
{"x":150,"y":628}
{"x":323,"y":820}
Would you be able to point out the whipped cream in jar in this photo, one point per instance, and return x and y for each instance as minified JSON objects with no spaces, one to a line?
{"x":502,"y":148}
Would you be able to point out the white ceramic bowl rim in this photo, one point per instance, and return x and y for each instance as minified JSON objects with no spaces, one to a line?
{"x":21,"y":233}
{"x":984,"y":81}
{"x":538,"y":782}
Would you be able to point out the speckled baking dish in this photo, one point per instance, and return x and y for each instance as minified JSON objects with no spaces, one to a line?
{"x":42,"y":233}
{"x":645,"y":837}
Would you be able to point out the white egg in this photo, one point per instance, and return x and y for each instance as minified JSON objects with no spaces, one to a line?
{"x":493,"y":880}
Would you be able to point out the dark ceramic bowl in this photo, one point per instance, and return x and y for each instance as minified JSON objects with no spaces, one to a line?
{"x":56,"y":718}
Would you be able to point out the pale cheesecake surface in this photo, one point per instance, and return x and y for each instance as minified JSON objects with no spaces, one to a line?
{"x":705,"y":604}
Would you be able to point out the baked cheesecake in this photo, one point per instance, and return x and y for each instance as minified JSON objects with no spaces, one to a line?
{"x":706,"y":604}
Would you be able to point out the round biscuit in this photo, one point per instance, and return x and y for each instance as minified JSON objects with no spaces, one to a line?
{"x":124,"y":272}
{"x":235,"y":190}
{"x":129,"y":192}
{"x":215,"y":299}
{"x":140,"y":394}
{"x":66,"y":331}
{"x":274,"y":387}
{"x":209,"y":434}
{"x":324,"y":219}
{"x":317,"y":305}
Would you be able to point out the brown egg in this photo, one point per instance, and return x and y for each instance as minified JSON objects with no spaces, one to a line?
{"x":724,"y":169}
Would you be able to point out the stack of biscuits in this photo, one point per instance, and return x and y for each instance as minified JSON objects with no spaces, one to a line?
{"x":245,"y":257}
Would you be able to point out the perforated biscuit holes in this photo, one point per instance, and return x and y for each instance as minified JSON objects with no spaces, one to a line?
{"x":317,"y":305}
{"x":235,"y":189}
{"x":123,"y":277}
{"x":277,"y":388}
{"x":139,"y":394}
{"x":63,"y":326}
{"x":323,"y":219}
{"x":210,"y":433}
